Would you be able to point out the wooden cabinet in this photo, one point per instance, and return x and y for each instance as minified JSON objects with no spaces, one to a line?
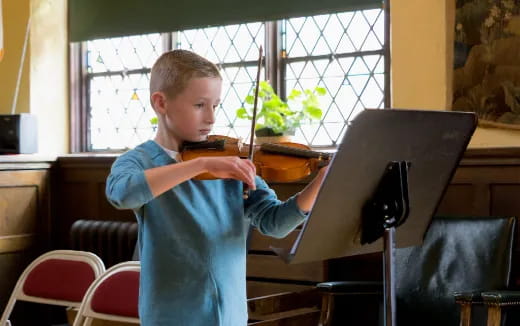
{"x":25,"y":215}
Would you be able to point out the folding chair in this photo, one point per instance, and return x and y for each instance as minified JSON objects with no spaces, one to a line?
{"x":59,"y":277}
{"x":113,"y":296}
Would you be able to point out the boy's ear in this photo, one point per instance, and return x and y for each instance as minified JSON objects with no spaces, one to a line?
{"x":159,"y":102}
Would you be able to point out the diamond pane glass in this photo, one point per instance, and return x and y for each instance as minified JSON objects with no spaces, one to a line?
{"x":120,"y":111}
{"x":235,"y":49}
{"x":344,"y":53}
{"x":123,"y":53}
{"x":118,"y":81}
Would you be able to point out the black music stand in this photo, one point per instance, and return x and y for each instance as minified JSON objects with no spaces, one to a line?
{"x":392,"y":166}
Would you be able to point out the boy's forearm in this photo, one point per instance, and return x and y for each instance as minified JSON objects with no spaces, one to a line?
{"x":307,"y":196}
{"x":164,"y":178}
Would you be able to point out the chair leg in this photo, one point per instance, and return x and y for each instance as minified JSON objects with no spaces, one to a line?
{"x":4,"y":318}
{"x":327,"y":307}
{"x":494,"y":316}
{"x":465,"y":314}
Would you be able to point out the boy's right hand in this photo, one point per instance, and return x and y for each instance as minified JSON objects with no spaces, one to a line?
{"x":231,"y":167}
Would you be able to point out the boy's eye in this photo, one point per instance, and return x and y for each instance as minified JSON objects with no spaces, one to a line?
{"x":199,"y":105}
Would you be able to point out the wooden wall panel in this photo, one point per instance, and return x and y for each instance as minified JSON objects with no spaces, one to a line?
{"x":272,"y":267}
{"x":81,"y":190}
{"x":487,"y":182}
{"x":257,"y":289}
{"x":25,"y":220}
{"x":505,"y":199}
{"x":459,"y":199}
{"x":24,"y":209}
{"x":18,"y":205}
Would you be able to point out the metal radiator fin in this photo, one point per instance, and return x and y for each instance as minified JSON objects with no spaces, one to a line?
{"x":113,"y":241}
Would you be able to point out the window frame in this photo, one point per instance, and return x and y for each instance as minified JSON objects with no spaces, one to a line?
{"x":274,"y":64}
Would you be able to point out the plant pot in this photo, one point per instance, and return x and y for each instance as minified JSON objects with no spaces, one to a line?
{"x":266,"y":132}
{"x":273,"y":139}
{"x":267,"y":135}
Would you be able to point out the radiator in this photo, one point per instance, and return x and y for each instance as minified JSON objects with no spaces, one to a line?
{"x":112,"y":241}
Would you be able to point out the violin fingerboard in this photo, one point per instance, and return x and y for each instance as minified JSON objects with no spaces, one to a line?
{"x":287,"y":150}
{"x":216,"y":145}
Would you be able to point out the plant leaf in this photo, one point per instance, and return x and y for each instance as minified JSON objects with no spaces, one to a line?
{"x":294,"y":94}
{"x":250,"y":99}
{"x":320,"y":90}
{"x":242,"y":114}
{"x":266,"y":87}
{"x":275,"y":120}
{"x":314,"y":112}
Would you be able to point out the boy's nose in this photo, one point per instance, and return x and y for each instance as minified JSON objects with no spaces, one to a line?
{"x":210,"y":116}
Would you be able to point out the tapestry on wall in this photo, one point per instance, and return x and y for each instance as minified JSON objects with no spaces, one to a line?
{"x":487,"y":61}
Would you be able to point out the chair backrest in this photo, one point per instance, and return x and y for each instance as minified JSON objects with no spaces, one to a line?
{"x":113,"y":296}
{"x":59,"y":277}
{"x":458,"y":254}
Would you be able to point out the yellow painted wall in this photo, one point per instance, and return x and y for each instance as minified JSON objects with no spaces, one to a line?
{"x":44,"y":84}
{"x":15,"y":14}
{"x":419,"y":54}
{"x":422,"y":57}
{"x":49,"y":74}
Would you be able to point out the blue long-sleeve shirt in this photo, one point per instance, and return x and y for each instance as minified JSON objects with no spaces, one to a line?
{"x":192,"y":240}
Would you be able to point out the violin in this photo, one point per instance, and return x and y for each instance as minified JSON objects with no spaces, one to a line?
{"x":274,"y":162}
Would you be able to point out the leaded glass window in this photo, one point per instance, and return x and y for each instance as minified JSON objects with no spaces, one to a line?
{"x":235,"y":49}
{"x":342,"y":52}
{"x":118,"y":74}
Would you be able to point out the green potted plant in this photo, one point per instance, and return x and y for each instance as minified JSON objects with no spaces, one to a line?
{"x":275,"y":117}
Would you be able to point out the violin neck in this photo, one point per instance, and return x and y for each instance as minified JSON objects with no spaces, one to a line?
{"x":215,"y":145}
{"x":287,"y":150}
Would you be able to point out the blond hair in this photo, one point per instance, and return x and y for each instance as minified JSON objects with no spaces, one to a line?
{"x":174,"y":69}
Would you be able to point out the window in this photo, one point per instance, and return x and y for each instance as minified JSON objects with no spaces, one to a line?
{"x":235,"y":49}
{"x":342,"y":52}
{"x":118,"y":75}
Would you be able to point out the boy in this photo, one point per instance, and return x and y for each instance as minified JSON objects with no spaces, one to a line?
{"x":192,"y":234}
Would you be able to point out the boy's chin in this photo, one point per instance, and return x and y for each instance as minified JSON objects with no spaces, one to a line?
{"x":197,"y":139}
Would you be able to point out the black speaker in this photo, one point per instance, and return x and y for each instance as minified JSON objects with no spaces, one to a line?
{"x":18,"y":134}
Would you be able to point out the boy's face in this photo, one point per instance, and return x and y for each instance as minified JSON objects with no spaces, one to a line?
{"x":190,"y":115}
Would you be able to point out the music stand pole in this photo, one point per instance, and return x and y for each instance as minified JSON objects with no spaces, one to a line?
{"x":387,"y":209}
{"x":389,"y":276}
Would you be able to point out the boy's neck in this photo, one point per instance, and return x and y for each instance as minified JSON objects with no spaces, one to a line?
{"x":167,"y":142}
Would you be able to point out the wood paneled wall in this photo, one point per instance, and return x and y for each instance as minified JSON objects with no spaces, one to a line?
{"x":25,"y":218}
{"x":487,"y":182}
{"x":40,"y":199}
